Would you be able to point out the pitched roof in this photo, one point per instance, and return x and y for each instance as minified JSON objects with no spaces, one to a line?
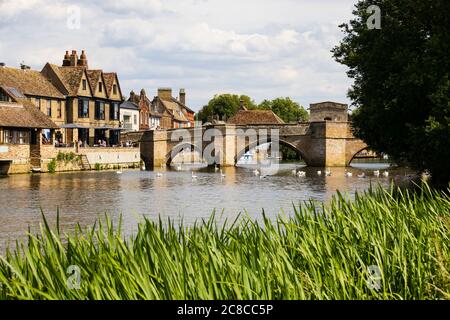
{"x":70,"y":76}
{"x":173,"y":107}
{"x":109,"y":81}
{"x":255,"y":117}
{"x":129,"y":105}
{"x":94,"y":77}
{"x":183,"y":105}
{"x":29,"y":82}
{"x":24,"y":114}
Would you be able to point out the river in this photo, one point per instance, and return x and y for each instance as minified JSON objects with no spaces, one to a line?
{"x":84,"y":196}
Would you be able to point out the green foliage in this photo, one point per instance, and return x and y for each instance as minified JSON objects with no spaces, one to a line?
{"x":286,"y":109}
{"x":60,"y":156}
{"x":317,"y":253}
{"x":98,"y":166}
{"x":67,"y":157}
{"x":225,"y":106}
{"x":51,"y":166}
{"x":402,"y":81}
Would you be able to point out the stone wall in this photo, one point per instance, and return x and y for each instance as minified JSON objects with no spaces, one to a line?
{"x":14,"y":158}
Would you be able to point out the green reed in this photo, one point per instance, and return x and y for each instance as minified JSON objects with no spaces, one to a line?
{"x":319,"y":252}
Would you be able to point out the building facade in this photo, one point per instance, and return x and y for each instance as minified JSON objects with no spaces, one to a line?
{"x":163,"y":111}
{"x":93,"y":99}
{"x":129,"y":116}
{"x":23,"y":138}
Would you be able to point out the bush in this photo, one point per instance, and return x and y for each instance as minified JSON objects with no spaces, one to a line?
{"x":98,"y":166}
{"x":51,"y":166}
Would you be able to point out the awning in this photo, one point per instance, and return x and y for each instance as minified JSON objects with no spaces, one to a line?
{"x":107,"y":128}
{"x":73,"y":126}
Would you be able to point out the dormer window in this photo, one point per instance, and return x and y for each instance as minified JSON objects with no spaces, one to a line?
{"x":114,"y":89}
{"x":100,"y":87}
{"x":84,"y":84}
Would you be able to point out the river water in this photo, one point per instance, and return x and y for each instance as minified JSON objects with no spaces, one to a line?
{"x":84,"y":196}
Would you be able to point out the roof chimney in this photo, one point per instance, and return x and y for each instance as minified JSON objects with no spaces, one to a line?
{"x":182,"y":97}
{"x":165,"y":93}
{"x":66,"y":60}
{"x":74,"y":58}
{"x":83,"y":60}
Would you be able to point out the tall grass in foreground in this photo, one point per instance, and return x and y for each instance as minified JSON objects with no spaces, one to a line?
{"x":318,"y":253}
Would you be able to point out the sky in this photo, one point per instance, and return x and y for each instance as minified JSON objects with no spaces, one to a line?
{"x":262,"y":48}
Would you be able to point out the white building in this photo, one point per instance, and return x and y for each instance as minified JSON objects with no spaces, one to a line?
{"x":129,"y":116}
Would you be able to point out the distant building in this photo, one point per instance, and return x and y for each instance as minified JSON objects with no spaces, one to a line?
{"x":174,"y":112}
{"x":164,"y":111}
{"x":328,"y":111}
{"x":129,"y":116}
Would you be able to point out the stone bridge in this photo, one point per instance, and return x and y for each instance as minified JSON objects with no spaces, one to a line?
{"x":320,"y":144}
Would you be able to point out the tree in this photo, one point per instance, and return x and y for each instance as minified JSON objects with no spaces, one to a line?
{"x":224,"y":106}
{"x":286,"y":109}
{"x":401,"y":81}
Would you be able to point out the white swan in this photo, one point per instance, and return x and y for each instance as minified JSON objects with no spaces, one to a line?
{"x":319,"y":173}
{"x":194,"y":177}
{"x":256,"y":172}
{"x":376,"y":173}
{"x":294,"y":172}
{"x":179,"y":167}
{"x":301,"y":174}
{"x":159,"y":174}
{"x":348,"y":174}
{"x":386,"y":174}
{"x":362,"y":175}
{"x":328,"y":173}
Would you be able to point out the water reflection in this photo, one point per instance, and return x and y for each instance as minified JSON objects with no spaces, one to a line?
{"x":82,"y":196}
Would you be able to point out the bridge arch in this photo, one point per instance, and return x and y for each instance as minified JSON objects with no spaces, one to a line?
{"x":253,"y":145}
{"x":181,"y":147}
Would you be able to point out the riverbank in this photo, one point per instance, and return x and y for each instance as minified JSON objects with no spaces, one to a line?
{"x":379,"y":246}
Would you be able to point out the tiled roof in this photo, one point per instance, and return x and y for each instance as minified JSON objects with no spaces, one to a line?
{"x":93,"y":76}
{"x":129,"y":105}
{"x":29,"y":82}
{"x":109,"y":81}
{"x":71,"y":77}
{"x":24,"y":114}
{"x":255,"y":117}
{"x":174,"y":108}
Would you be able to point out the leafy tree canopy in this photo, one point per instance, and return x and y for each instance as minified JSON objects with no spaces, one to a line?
{"x":286,"y":109}
{"x":227,"y":105}
{"x":224,"y":106}
{"x":401,"y":81}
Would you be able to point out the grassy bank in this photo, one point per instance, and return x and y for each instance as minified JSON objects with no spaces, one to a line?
{"x":318,"y":253}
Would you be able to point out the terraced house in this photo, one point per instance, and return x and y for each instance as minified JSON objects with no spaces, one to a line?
{"x":93,"y":98}
{"x":163,"y":111}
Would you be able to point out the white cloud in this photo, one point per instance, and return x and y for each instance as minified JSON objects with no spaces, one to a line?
{"x":261,"y":48}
